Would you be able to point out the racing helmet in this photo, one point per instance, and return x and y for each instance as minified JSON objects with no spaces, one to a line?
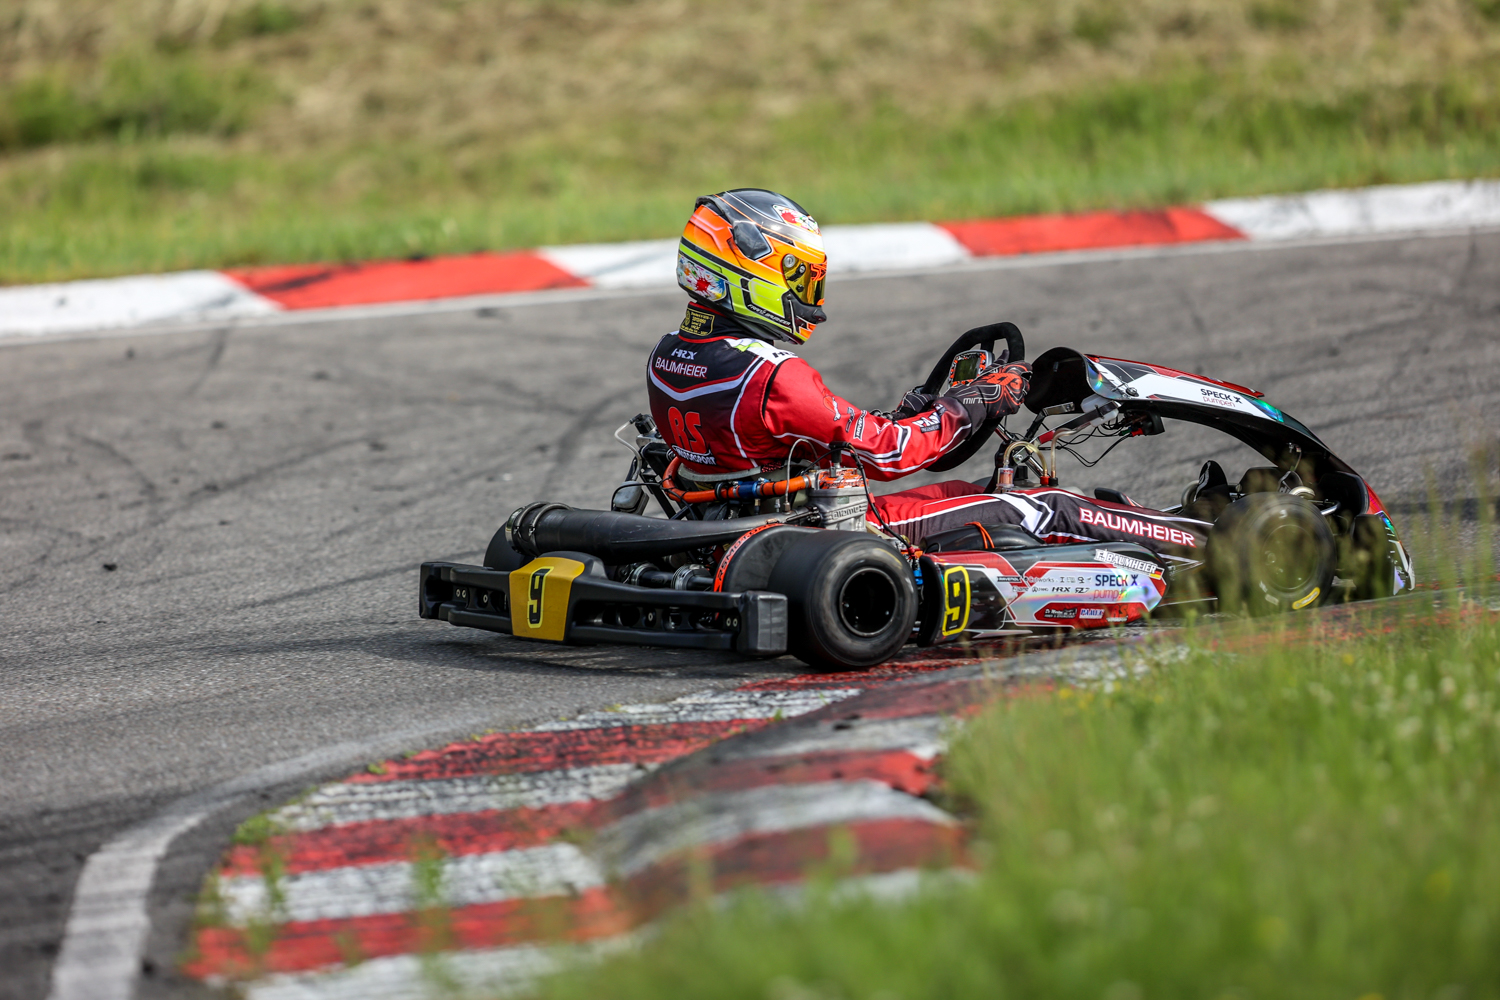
{"x":758,"y":255}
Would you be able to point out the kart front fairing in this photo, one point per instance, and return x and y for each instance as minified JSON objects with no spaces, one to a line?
{"x":1063,"y":376}
{"x":1067,"y":378}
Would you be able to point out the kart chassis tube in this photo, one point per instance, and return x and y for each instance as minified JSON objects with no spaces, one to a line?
{"x":467,"y":595}
{"x":618,"y":537}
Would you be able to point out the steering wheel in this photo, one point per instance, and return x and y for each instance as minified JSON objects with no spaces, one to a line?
{"x":985,"y":337}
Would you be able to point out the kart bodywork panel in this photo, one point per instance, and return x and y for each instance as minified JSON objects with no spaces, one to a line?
{"x":1064,"y":376}
{"x":982,"y":595}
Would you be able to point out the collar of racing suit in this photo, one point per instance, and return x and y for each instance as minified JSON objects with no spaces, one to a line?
{"x":706,"y":321}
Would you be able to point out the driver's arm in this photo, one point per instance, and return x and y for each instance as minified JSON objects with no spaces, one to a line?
{"x":798,"y":406}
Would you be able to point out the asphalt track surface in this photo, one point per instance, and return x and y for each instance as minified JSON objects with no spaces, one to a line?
{"x":208,"y":539}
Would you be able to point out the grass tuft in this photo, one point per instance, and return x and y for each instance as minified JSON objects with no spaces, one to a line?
{"x":134,"y":97}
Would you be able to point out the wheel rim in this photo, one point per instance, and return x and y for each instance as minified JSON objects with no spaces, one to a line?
{"x":867,"y":602}
{"x":1289,"y":558}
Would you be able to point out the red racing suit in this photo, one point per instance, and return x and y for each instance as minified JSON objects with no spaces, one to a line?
{"x":732,"y":406}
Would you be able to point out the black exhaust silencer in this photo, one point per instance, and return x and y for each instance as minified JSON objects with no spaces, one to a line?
{"x":616,"y":537}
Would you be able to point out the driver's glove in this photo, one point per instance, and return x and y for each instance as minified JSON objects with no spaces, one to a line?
{"x":915,"y":401}
{"x":994,"y":393}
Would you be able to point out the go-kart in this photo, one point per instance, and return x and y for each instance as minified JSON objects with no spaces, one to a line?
{"x":801,"y":562}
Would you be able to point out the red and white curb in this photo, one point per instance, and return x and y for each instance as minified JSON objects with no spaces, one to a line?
{"x":483,"y":864}
{"x":250,"y":294}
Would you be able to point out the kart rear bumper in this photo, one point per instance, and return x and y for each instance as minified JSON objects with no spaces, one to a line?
{"x":590,"y":608}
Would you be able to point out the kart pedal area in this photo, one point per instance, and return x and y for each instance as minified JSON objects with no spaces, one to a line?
{"x":566,"y":597}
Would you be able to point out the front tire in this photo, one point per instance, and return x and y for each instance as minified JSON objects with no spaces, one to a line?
{"x":851,"y":599}
{"x":1272,"y":553}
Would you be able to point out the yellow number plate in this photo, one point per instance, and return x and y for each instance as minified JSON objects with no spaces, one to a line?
{"x":955,"y":600}
{"x":539,"y":598}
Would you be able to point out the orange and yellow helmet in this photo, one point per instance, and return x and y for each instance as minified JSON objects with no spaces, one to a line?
{"x":758,"y":255}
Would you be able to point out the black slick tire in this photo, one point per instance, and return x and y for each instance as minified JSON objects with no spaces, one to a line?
{"x":851,"y":599}
{"x":1272,"y":553}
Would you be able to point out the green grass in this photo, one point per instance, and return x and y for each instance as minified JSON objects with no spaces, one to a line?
{"x":1279,"y":814}
{"x":157,"y":188}
{"x":161,"y":134}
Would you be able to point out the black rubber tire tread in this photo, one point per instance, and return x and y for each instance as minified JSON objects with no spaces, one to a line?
{"x":1271,"y":553}
{"x":812,"y":573}
{"x":752,"y":561}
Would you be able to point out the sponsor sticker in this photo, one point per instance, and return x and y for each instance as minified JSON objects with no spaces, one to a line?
{"x":930,"y":421}
{"x":696,"y":457}
{"x":697,"y":322}
{"x":801,"y":220}
{"x":1128,"y":562}
{"x":1109,"y":581}
{"x":1056,"y":612}
{"x":956,"y":591}
{"x":1088,"y":613}
{"x":699,"y":280}
{"x":1137,"y":526}
{"x":1219,"y":397}
{"x":680,"y":368}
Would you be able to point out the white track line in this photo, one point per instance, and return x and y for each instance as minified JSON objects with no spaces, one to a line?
{"x":851,"y":249}
{"x":107,"y":925}
{"x":364,"y":802}
{"x":502,"y":972}
{"x":637,"y":264}
{"x":922,"y":736}
{"x":523,"y":300}
{"x":895,"y":246}
{"x":1392,"y":208}
{"x":72,"y":306}
{"x":644,"y":838}
{"x":190,"y":299}
{"x":713,"y":706}
{"x":364,"y":890}
{"x":561,"y":868}
{"x":496,"y":972}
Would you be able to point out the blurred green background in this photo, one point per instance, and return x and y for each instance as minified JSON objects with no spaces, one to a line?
{"x":163,"y":134}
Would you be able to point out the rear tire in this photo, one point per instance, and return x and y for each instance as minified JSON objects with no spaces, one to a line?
{"x":1272,"y":553}
{"x":851,"y":599}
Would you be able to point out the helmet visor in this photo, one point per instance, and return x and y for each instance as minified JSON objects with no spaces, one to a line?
{"x":804,"y":278}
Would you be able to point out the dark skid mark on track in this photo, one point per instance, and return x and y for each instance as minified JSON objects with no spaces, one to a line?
{"x":325,"y":588}
{"x":567,"y":444}
{"x":217,"y":341}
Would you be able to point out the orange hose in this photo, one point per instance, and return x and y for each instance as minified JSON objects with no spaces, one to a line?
{"x":779,"y":488}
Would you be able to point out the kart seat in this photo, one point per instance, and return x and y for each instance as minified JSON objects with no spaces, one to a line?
{"x":977,"y":537}
{"x":1206,"y":499}
{"x":1114,"y":496}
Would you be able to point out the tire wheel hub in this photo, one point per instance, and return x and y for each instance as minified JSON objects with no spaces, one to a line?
{"x":867,"y":602}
